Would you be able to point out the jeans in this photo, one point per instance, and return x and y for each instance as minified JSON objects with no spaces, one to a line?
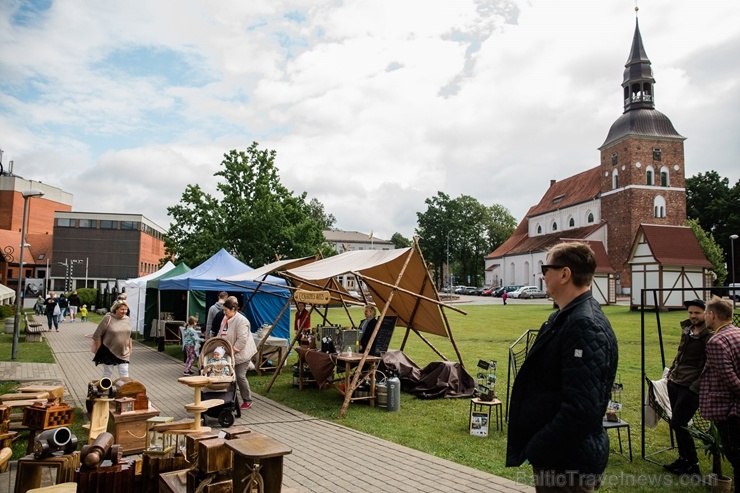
{"x":729,"y":432}
{"x":50,"y":317}
{"x":684,"y":404}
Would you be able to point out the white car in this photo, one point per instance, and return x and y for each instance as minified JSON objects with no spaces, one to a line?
{"x":528,"y":292}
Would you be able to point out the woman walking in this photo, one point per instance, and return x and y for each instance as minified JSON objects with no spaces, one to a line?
{"x":112,"y":342}
{"x":239,"y":335}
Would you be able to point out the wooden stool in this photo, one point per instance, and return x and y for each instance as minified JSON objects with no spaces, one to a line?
{"x":260,"y":451}
{"x":477,"y":405}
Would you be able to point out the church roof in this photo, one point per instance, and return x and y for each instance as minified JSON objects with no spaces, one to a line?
{"x":582,"y":187}
{"x":663,"y":239}
{"x":520,"y":242}
{"x":643,"y":122}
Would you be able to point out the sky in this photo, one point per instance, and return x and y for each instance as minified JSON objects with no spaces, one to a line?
{"x":371,"y":106}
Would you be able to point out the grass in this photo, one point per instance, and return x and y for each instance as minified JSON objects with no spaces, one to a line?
{"x":440,"y":427}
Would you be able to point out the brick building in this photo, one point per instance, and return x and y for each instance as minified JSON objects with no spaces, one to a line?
{"x":640,"y":180}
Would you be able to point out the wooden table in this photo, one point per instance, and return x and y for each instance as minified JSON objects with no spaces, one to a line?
{"x":368,"y":371}
{"x":258,"y":450}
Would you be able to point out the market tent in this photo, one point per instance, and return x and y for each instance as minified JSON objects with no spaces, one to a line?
{"x":265,"y":300}
{"x":136,"y":294}
{"x":415,"y":302}
{"x":7,"y":295}
{"x":154,"y":298}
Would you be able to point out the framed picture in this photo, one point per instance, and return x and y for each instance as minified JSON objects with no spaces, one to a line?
{"x":479,"y":424}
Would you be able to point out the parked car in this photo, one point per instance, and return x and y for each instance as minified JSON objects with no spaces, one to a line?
{"x":488,"y":291}
{"x":508,"y":289}
{"x":528,"y":292}
{"x":470,"y":290}
{"x":480,"y":291}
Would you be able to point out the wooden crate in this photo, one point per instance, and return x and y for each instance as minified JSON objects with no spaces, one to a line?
{"x":129,"y":429}
{"x":213,"y":456}
{"x":43,"y":416}
{"x":219,"y":483}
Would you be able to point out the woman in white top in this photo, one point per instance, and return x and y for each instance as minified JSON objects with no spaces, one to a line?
{"x":239,"y":335}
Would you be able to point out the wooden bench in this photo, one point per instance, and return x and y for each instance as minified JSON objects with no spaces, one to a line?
{"x":34,"y":330}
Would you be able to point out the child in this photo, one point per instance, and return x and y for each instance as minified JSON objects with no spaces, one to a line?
{"x":83,"y":313}
{"x":190,"y":339}
{"x":216,"y":366}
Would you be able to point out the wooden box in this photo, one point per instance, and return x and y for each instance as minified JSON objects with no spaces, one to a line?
{"x":213,"y":456}
{"x":4,"y":418}
{"x":192,"y":440}
{"x":46,"y":415}
{"x":235,"y":432}
{"x":221,"y":483}
{"x":129,"y":430}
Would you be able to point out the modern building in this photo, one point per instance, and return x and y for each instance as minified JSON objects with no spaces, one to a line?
{"x":39,"y":230}
{"x":95,"y":250}
{"x":640,"y":179}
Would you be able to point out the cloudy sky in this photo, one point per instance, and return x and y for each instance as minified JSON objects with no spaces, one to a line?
{"x":372,"y":106}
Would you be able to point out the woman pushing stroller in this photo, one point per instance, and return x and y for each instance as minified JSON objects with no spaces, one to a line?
{"x":236,"y":330}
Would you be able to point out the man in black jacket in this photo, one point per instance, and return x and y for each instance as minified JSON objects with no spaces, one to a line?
{"x":563,"y":387}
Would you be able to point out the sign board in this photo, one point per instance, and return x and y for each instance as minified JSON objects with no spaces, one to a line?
{"x":479,"y":424}
{"x":312,"y":297}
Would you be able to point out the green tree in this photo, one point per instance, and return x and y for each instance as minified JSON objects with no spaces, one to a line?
{"x":716,"y":206}
{"x":711,"y":250}
{"x":466,"y":230}
{"x":255,"y":219}
{"x":400,"y":241}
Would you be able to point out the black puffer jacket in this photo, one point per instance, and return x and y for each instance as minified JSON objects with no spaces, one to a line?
{"x":562,"y":390}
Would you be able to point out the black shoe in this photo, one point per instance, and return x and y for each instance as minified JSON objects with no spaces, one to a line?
{"x":677,"y":466}
{"x":691,"y":470}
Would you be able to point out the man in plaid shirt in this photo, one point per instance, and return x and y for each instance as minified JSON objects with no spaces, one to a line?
{"x":719,"y":394}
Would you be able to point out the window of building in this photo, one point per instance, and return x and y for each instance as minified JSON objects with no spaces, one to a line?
{"x":65,"y":223}
{"x":572,"y":223}
{"x":615,"y":158}
{"x":129,"y":225}
{"x":657,"y":154}
{"x":649,"y":176}
{"x":590,"y":218}
{"x":659,"y":207}
{"x":664,"y":180}
{"x":554,"y":226}
{"x":105,"y":224}
{"x":615,"y":180}
{"x":539,"y":229}
{"x":88,"y":223}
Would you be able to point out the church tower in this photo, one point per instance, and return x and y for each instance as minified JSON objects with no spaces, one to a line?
{"x":642,"y":163}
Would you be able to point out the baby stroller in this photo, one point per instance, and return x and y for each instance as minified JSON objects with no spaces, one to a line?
{"x":222,"y":383}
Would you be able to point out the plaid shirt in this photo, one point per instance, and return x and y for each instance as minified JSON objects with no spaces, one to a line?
{"x":719,"y":394}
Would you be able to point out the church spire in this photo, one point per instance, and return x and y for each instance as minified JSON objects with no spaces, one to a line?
{"x":638,"y":76}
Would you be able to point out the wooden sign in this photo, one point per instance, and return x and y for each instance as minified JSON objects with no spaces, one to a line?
{"x":312,"y":297}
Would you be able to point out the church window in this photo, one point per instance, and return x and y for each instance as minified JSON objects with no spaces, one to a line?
{"x":615,"y":158}
{"x":539,"y":229}
{"x":657,"y":154}
{"x":664,"y":181}
{"x":554,"y":226}
{"x":659,"y":207}
{"x":572,"y":223}
{"x":615,"y":180}
{"x":590,"y":218}
{"x":649,"y":175}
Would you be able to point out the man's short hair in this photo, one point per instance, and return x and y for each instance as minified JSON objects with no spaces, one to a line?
{"x":721,"y":308}
{"x":578,"y":257}
{"x":223,"y":295}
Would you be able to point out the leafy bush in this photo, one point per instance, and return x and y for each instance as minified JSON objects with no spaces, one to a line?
{"x":7,"y":311}
{"x":88,"y":296}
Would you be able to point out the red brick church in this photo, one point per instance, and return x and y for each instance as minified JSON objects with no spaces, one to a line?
{"x":640,"y":179}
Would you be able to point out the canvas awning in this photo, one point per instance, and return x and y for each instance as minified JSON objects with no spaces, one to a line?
{"x":7,"y":295}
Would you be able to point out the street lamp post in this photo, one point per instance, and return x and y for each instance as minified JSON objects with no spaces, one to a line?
{"x":732,"y":254}
{"x":27,"y":194}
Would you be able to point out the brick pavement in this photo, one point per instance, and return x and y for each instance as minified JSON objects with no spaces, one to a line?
{"x":358,"y":462}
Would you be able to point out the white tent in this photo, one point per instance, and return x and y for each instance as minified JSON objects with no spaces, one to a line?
{"x":136,"y":296}
{"x":7,"y":295}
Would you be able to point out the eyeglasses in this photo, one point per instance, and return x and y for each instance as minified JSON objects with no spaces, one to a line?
{"x":546,"y":267}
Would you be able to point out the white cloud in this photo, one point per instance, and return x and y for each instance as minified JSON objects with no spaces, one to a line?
{"x":372,"y":107}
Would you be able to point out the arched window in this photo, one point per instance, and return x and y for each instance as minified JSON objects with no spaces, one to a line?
{"x":664,"y":178}
{"x":615,"y":180}
{"x":590,"y":218}
{"x":649,"y":176}
{"x":539,"y":229}
{"x":554,"y":226}
{"x":659,"y":209}
{"x":572,"y":223}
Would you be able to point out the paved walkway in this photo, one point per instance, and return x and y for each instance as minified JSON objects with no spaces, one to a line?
{"x":326,"y":457}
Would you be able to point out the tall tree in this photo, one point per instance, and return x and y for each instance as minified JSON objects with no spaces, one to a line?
{"x":255,"y":219}
{"x":711,"y":250}
{"x":399,"y":241}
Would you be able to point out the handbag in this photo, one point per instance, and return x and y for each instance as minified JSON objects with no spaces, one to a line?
{"x":92,"y":344}
{"x":57,"y":310}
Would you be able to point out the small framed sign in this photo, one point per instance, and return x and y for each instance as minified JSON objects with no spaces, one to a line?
{"x":479,"y":424}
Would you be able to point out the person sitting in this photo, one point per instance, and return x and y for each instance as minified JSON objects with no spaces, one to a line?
{"x":367,"y":326}
{"x":217,"y":365}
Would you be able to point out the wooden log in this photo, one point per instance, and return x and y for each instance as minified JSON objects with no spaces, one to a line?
{"x":56,"y":390}
{"x":23,"y":396}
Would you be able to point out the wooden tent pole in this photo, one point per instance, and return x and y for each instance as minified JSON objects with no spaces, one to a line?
{"x":444,"y":316}
{"x":358,"y":371}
